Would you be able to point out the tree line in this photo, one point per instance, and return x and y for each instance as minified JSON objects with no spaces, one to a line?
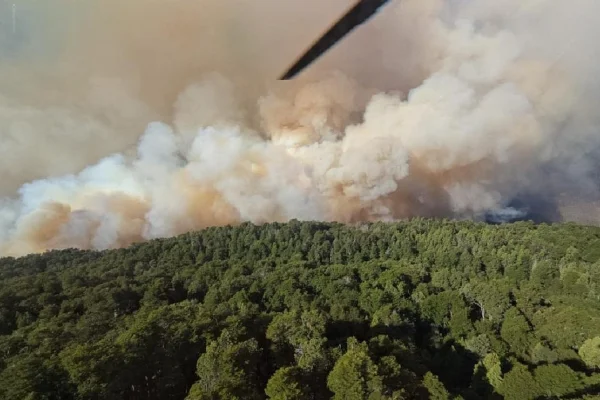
{"x":308,"y":310}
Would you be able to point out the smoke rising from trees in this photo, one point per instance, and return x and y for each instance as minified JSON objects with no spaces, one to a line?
{"x":123,"y":122}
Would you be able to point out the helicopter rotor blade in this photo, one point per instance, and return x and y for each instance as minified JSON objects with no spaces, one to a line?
{"x":357,"y":15}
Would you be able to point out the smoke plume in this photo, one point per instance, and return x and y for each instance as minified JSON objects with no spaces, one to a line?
{"x":127,"y":121}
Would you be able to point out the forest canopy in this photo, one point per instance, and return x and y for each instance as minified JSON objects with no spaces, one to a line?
{"x":307,"y":310}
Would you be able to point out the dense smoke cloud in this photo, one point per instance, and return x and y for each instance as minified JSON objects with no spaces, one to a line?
{"x":125,"y":121}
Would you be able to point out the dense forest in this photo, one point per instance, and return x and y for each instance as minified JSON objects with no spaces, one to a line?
{"x":423,"y":309}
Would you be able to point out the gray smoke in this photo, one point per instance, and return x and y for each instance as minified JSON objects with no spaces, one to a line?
{"x":125,"y":121}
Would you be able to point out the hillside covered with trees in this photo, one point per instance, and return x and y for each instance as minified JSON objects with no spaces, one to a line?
{"x":414,"y":310}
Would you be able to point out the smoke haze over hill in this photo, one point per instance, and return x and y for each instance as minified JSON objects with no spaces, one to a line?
{"x":126,"y":121}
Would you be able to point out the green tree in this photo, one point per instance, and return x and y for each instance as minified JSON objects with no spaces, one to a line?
{"x":286,"y":384}
{"x":544,"y":274}
{"x":228,"y":370}
{"x":94,"y":368}
{"x":436,"y":389}
{"x":354,"y":375}
{"x":542,"y":353}
{"x":492,"y":298}
{"x":303,"y":333}
{"x":515,"y":331}
{"x":33,"y":378}
{"x":557,"y":379}
{"x":590,"y":352}
{"x":493,"y":368}
{"x":519,"y":384}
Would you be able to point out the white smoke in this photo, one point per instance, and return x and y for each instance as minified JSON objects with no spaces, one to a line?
{"x":454,"y":109}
